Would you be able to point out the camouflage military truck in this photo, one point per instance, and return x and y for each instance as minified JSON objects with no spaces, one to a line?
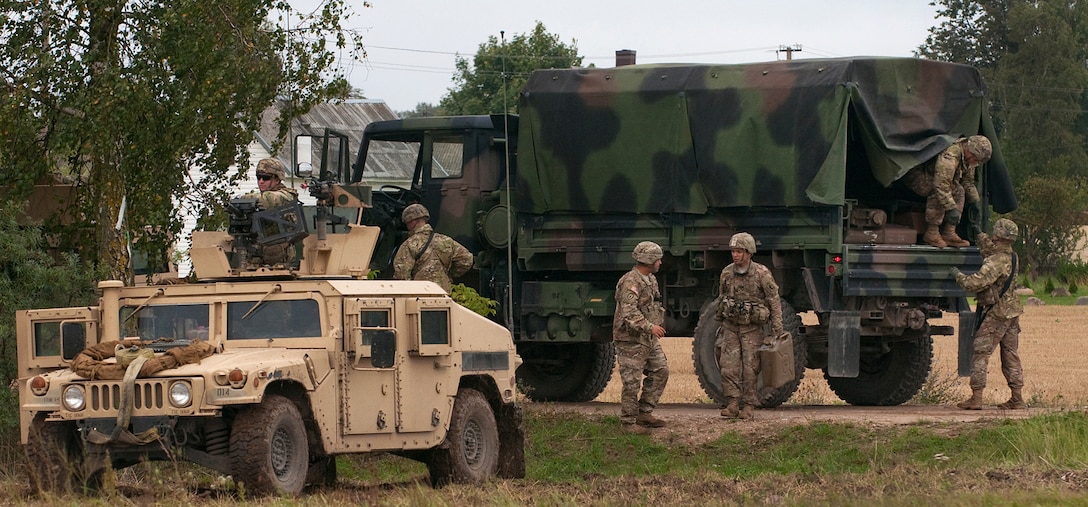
{"x":805,"y":155}
{"x":266,"y":373}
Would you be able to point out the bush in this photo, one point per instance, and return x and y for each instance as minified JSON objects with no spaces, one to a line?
{"x":1049,"y":286}
{"x":469,"y":298}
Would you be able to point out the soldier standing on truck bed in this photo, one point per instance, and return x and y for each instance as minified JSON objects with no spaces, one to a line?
{"x":428,"y":255}
{"x":947,"y":183}
{"x":998,"y":313}
{"x":636,"y":329}
{"x":748,"y":300}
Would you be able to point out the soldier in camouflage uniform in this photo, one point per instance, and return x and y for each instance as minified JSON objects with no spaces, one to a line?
{"x":948,"y":183}
{"x":748,"y":300}
{"x":636,"y":328}
{"x":427,"y":255}
{"x":273,"y":194}
{"x":999,"y":309}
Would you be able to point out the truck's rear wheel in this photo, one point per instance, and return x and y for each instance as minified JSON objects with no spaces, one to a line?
{"x":268,"y":449}
{"x":889,"y":379}
{"x":709,"y":373}
{"x":565,"y":372}
{"x":55,"y":458}
{"x":470,"y":453}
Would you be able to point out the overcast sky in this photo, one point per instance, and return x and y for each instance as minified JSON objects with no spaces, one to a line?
{"x":412,"y":44}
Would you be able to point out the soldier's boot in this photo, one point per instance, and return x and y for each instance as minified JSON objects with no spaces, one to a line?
{"x":747,"y":412}
{"x":732,"y":409}
{"x":972,"y":403}
{"x":648,"y":420}
{"x":634,"y":428}
{"x":1016,"y":401}
{"x":948,"y":234}
{"x":933,"y":236}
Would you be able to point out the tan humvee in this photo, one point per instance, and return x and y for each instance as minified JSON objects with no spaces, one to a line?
{"x":267,"y":373}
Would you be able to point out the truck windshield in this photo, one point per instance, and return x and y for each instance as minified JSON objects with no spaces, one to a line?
{"x":292,"y":318}
{"x":166,"y":325}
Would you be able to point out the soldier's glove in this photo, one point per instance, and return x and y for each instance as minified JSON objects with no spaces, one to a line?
{"x":954,"y":272}
{"x":982,"y":237}
{"x":952,"y":217}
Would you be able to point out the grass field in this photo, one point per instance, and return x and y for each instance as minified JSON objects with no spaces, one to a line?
{"x":1053,"y":350}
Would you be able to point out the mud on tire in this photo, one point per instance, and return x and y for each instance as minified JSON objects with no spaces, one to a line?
{"x":709,"y":373}
{"x":269,"y":453}
{"x":470,"y":453}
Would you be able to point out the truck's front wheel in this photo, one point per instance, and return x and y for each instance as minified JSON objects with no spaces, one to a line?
{"x":705,"y":356}
{"x":892,"y":378}
{"x":471,"y":451}
{"x":268,"y":449}
{"x":565,"y":372}
{"x":55,"y":458}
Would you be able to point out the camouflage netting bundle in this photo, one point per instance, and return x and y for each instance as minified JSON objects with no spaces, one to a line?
{"x":91,"y":362}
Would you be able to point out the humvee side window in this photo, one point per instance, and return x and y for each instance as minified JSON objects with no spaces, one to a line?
{"x":372,"y":319}
{"x":434,"y":327}
{"x":447,"y":158}
{"x":178,"y":324}
{"x":293,"y":318}
{"x":47,"y":339}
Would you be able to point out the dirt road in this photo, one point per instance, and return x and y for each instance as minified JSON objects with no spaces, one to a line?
{"x":698,"y":423}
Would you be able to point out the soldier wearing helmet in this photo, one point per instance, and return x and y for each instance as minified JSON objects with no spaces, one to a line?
{"x":948,"y":183}
{"x":272,"y":193}
{"x":636,"y":328}
{"x":997,"y":315}
{"x":428,"y":255}
{"x":748,"y":300}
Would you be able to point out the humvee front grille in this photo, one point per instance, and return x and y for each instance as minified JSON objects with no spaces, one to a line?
{"x":106,"y":397}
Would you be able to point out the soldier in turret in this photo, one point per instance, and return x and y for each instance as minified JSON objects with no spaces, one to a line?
{"x":427,"y":255}
{"x":748,"y":300}
{"x":998,"y":315}
{"x":273,"y":194}
{"x":948,"y":183}
{"x":636,"y":328}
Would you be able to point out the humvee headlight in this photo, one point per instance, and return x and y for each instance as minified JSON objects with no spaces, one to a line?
{"x":39,"y":385}
{"x":73,"y":398}
{"x":181,"y":394}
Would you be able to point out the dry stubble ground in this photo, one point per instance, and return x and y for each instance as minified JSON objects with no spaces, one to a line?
{"x":1053,"y":349}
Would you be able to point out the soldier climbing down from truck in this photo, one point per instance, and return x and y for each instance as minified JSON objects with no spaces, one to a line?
{"x":949,"y":182}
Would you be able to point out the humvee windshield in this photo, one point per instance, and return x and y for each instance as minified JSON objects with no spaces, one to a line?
{"x":167,"y":325}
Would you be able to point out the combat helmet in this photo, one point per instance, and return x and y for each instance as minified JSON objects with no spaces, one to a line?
{"x":647,"y":252}
{"x":413,"y":212}
{"x":1006,"y":229}
{"x":272,"y":166}
{"x":743,"y":241}
{"x":980,"y":147}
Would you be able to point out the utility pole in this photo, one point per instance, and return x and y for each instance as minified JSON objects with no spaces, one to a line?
{"x":789,"y":50}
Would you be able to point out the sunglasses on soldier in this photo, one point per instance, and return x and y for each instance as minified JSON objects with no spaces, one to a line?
{"x":264,"y":177}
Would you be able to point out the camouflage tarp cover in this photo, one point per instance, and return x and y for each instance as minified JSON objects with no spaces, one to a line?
{"x":684,"y":138}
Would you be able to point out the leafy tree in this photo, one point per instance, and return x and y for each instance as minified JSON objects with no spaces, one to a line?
{"x":480,"y":87}
{"x":422,"y":109}
{"x":126,"y":97}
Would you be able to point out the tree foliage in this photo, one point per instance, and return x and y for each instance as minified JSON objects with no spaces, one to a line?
{"x":1033,"y":55}
{"x":127,"y":97}
{"x":491,"y":82}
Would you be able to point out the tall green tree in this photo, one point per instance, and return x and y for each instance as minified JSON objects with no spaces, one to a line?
{"x":491,"y":81}
{"x":126,"y":97}
{"x":1032,"y":54}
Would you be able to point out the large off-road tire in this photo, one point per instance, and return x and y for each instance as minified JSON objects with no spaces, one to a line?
{"x":709,"y":373}
{"x":470,"y":453}
{"x":890,"y":379}
{"x":565,"y":372}
{"x":268,"y":449}
{"x":55,"y":457}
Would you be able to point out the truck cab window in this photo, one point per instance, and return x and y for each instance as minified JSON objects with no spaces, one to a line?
{"x":369,"y":319}
{"x":434,"y":327}
{"x":169,"y":325}
{"x":293,"y":318}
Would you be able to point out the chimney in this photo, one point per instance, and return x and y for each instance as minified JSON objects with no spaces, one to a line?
{"x":625,"y":57}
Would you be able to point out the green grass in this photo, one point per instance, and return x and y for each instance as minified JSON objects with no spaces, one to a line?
{"x":585,"y":460}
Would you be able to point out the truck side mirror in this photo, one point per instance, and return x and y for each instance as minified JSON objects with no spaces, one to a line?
{"x":383,"y":348}
{"x":73,"y":339}
{"x":303,"y":156}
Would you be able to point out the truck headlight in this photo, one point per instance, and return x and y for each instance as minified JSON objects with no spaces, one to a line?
{"x":181,"y":394}
{"x":73,"y":398}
